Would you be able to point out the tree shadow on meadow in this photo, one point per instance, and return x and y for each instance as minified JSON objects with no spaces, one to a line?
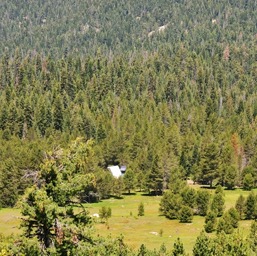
{"x":129,"y":194}
{"x":152,"y":193}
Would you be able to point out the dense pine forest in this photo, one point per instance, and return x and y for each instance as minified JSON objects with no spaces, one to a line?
{"x":166,"y":88}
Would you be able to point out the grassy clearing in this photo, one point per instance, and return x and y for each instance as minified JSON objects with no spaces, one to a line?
{"x":142,"y":230}
{"x":137,"y":230}
{"x":9,"y":221}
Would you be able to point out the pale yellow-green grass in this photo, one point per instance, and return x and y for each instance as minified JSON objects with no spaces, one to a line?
{"x":10,"y":221}
{"x":146,"y":230}
{"x":138,"y":230}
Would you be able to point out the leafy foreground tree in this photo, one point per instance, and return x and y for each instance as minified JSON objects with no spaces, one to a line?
{"x":56,"y":229}
{"x":178,"y":248}
{"x":202,"y":245}
{"x":54,"y":220}
{"x":253,"y":237}
{"x":222,"y":244}
{"x":61,"y":230}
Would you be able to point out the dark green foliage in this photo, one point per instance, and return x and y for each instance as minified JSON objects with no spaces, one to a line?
{"x":173,"y":104}
{"x":234,"y":216}
{"x":41,"y":213}
{"x":202,"y":245}
{"x":129,"y":180}
{"x":155,"y":180}
{"x":202,"y":202}
{"x":250,"y":206}
{"x":58,"y":114}
{"x":218,"y":202}
{"x":177,"y":185}
{"x":230,"y":177}
{"x":210,"y":222}
{"x":253,"y":237}
{"x":233,"y":244}
{"x":228,"y":222}
{"x":240,"y":206}
{"x":189,"y":197}
{"x":142,"y":251}
{"x":178,"y":248}
{"x":104,"y":184}
{"x":209,"y":163}
{"x":9,"y":183}
{"x":82,"y":29}
{"x":248,"y":182}
{"x":57,"y":228}
{"x":225,"y":225}
{"x":186,"y":214}
{"x":158,"y":137}
{"x":170,"y":205}
{"x":118,"y":187}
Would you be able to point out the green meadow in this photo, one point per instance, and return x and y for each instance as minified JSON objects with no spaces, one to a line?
{"x":152,"y":229}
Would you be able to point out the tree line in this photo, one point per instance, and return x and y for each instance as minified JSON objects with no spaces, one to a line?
{"x":55,"y":222}
{"x":81,"y":28}
{"x":153,"y":112}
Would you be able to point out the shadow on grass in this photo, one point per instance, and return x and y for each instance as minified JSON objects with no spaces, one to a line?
{"x":208,"y":187}
{"x":116,"y":197}
{"x":129,"y":194}
{"x":214,"y":187}
{"x":153,"y":193}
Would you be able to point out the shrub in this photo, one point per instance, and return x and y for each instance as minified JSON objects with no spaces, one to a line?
{"x":141,"y":209}
{"x":186,"y":214}
{"x":202,"y":202}
{"x":234,"y":217}
{"x":248,"y":182}
{"x":105,"y":213}
{"x":240,"y":206}
{"x":210,"y":222}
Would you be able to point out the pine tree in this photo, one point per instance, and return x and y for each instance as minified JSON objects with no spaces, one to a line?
{"x":248,"y":182}
{"x":129,"y":180}
{"x":253,"y":236}
{"x":58,"y":114}
{"x":186,"y":214}
{"x":225,"y":224}
{"x":234,"y":215}
{"x":209,"y":163}
{"x":250,"y":206}
{"x":178,"y":248}
{"x":240,"y":206}
{"x":210,"y":222}
{"x":171,"y":204}
{"x":218,"y":202}
{"x":202,"y":202}
{"x":202,"y":245}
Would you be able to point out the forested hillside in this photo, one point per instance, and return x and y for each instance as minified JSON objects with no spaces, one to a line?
{"x":154,"y":112}
{"x":81,"y":27}
{"x":166,"y":88}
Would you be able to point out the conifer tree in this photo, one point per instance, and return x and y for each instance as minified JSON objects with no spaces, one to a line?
{"x":240,"y":206}
{"x":209,"y":163}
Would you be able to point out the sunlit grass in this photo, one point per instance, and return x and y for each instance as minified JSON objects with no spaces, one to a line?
{"x":10,"y":221}
{"x":146,"y":230}
{"x":151,"y":229}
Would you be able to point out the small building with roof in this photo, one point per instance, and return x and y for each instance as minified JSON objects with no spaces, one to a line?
{"x":117,"y":171}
